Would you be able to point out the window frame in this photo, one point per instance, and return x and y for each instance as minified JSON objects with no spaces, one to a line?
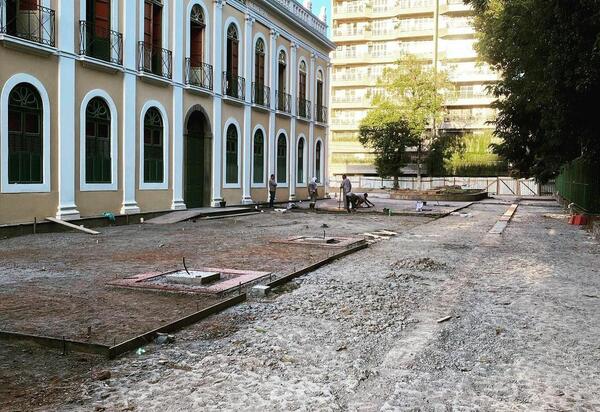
{"x":285,"y":183}
{"x":305,"y":172}
{"x":237,"y":185}
{"x":164,"y":185}
{"x":45,"y":186}
{"x":114,"y":143}
{"x":263,"y":183}
{"x":320,"y":176}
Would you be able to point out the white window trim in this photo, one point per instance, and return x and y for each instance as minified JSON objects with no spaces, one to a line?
{"x":303,"y":183}
{"x":164,"y":185}
{"x":257,"y":36}
{"x":43,"y":187}
{"x":233,"y":20}
{"x":287,"y":158}
{"x":307,"y":74}
{"x":165,"y":24}
{"x":263,"y":183}
{"x":321,"y":178}
{"x":114,"y":144}
{"x":237,"y":185}
{"x":114,"y":20}
{"x":206,"y":55}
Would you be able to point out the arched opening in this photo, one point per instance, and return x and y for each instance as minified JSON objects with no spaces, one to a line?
{"x":303,"y":104}
{"x":231,"y":155}
{"x":153,"y":41}
{"x":259,"y":72}
{"x":300,"y":162}
{"x":197,"y":27}
{"x":153,"y":147}
{"x":282,"y":100}
{"x":321,"y":110}
{"x":232,"y":66}
{"x":25,"y":140}
{"x":98,"y":164}
{"x":281,"y":159}
{"x":258,"y":158}
{"x":318,"y":157}
{"x":198,"y":158}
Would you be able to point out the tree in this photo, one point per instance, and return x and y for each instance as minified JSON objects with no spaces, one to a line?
{"x":548,"y":54}
{"x":418,"y":91}
{"x":387,"y":131}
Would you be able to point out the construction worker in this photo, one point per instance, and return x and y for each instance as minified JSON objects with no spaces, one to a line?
{"x":272,"y":191}
{"x":312,"y":191}
{"x":346,"y":187}
{"x":362,"y":200}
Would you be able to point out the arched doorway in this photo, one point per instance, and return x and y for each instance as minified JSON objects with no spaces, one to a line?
{"x":198,"y":156}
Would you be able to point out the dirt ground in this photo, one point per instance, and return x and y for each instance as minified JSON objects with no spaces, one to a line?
{"x":363,"y":334}
{"x":55,"y":285}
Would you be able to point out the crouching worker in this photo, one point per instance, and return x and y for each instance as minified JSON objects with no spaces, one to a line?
{"x":362,"y":200}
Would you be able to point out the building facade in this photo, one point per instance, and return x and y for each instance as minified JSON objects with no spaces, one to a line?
{"x":370,"y":36}
{"x":129,"y":106}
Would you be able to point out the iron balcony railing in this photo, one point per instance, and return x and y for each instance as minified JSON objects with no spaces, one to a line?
{"x":100,"y":42}
{"x":321,"y":113}
{"x":261,"y":94}
{"x":304,"y":108}
{"x":283,"y":101}
{"x":198,"y":74}
{"x":37,"y":24}
{"x":155,"y":60}
{"x":234,"y":86}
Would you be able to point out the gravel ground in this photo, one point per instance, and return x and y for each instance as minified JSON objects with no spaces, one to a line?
{"x":362,"y":334}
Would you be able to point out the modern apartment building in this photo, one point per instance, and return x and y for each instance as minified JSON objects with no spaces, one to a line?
{"x":371,"y":35}
{"x":129,"y":106}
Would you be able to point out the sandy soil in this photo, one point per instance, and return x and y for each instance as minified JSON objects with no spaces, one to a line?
{"x":54,"y":284}
{"x":363,"y":334}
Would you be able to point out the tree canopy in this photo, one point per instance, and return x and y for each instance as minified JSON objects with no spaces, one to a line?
{"x":548,"y":54}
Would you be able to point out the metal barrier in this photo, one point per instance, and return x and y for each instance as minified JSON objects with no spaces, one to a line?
{"x":579,"y":183}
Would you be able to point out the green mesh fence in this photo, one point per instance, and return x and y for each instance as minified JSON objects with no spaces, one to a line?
{"x":579,"y":183}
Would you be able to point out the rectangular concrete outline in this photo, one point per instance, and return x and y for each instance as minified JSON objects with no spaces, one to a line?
{"x":345,"y":242}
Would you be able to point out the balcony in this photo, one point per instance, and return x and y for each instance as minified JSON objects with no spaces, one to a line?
{"x":36,"y":25}
{"x":234,"y":86}
{"x":351,"y":10}
{"x":198,"y":74}
{"x":100,"y":43}
{"x":321,"y":113}
{"x":304,"y":108}
{"x":155,"y":60}
{"x":261,"y":94}
{"x":283,"y":102}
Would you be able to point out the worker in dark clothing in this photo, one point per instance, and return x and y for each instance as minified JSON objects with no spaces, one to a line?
{"x":272,"y":191}
{"x":363,"y":200}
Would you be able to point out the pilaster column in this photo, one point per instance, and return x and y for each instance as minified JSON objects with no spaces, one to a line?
{"x":131,"y":115}
{"x":272,"y":143}
{"x":177,"y":123}
{"x":294,"y":103}
{"x":312,"y":86}
{"x":217,"y":159}
{"x":247,"y":129}
{"x":67,"y":209}
{"x":326,"y":98}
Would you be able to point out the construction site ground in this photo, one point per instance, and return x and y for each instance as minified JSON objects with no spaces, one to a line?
{"x":444,"y":316}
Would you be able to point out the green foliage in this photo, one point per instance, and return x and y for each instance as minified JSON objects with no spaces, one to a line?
{"x":579,"y":182}
{"x":548,"y":52}
{"x":386,"y":130}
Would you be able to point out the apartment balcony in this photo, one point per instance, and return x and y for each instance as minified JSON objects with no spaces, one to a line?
{"x":483,"y":75}
{"x":458,"y":27}
{"x":283,"y":102}
{"x":321,"y":113}
{"x":354,"y":10}
{"x":304,"y":108}
{"x":468,"y":99}
{"x":340,"y":35}
{"x":348,"y":102}
{"x":454,"y":6}
{"x":344,"y":123}
{"x":261,"y":95}
{"x":403,"y":8}
{"x":359,"y":79}
{"x":155,"y":60}
{"x":403,"y":32}
{"x":467,"y":122}
{"x":100,"y":43}
{"x":198,"y":75}
{"x":36,"y":25}
{"x":234,"y":86}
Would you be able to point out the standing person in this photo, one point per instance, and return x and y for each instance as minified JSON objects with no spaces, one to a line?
{"x":272,"y":191}
{"x":346,"y":187}
{"x":312,"y":191}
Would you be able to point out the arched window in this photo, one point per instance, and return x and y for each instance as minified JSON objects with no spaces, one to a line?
{"x":321,"y":116}
{"x":300,"y":161}
{"x":281,"y":159}
{"x":318,"y":157}
{"x":303,"y":109}
{"x":25,"y":144}
{"x":197,"y":28}
{"x":258,"y":174}
{"x":231,"y":155}
{"x":232,"y":67}
{"x":97,"y":142}
{"x":259,"y":72}
{"x":153,"y":147}
{"x":282,"y":100}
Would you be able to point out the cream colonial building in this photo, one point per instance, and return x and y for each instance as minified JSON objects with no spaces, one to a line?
{"x":134,"y":106}
{"x":371,"y":35}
